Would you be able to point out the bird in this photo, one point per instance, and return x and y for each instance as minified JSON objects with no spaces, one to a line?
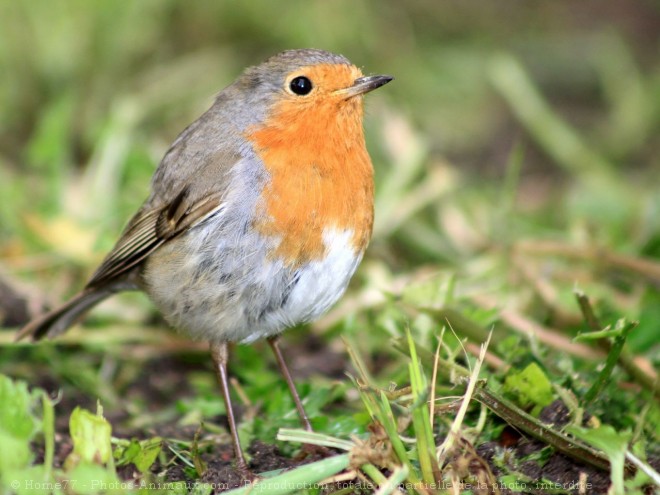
{"x":258,"y":216}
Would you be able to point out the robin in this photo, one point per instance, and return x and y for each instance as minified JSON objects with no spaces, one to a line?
{"x":258,"y":216}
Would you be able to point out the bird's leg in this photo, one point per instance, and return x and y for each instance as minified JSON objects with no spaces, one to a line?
{"x":308,"y":448}
{"x":220,"y":355}
{"x":275,"y":345}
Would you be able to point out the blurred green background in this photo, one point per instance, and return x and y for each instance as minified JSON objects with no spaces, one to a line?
{"x":517,"y":149}
{"x":517,"y":158}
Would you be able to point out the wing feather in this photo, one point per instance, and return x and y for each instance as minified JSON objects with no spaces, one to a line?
{"x":149,"y":229}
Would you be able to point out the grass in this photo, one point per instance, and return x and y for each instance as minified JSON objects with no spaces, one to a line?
{"x":516,"y":161}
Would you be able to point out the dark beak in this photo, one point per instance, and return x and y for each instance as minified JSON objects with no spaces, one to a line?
{"x":365,"y":84}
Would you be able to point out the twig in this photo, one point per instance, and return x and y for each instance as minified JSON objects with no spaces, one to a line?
{"x":552,"y":338}
{"x":645,"y":267}
{"x":519,"y":419}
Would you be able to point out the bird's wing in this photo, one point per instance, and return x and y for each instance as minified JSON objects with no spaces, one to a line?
{"x":150,"y":228}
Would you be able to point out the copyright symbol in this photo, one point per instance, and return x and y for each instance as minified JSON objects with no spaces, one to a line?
{"x":15,"y":484}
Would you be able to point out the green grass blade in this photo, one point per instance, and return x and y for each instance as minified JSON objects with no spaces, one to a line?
{"x":373,"y":473}
{"x":614,"y":444}
{"x":313,"y":438}
{"x":389,"y":423}
{"x":557,"y":137}
{"x":310,"y":437}
{"x":420,"y":415}
{"x":624,"y":328}
{"x":49,"y":435}
{"x":296,"y":480}
{"x":392,"y":483}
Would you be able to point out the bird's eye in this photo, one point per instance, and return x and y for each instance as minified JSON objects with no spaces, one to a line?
{"x":300,"y":85}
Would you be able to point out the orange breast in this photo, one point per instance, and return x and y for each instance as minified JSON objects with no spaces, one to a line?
{"x":321,"y":176}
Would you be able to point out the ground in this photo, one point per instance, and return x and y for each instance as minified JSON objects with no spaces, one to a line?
{"x":165,"y":381}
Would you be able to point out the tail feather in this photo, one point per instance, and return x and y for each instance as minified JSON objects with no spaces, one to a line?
{"x":58,"y":320}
